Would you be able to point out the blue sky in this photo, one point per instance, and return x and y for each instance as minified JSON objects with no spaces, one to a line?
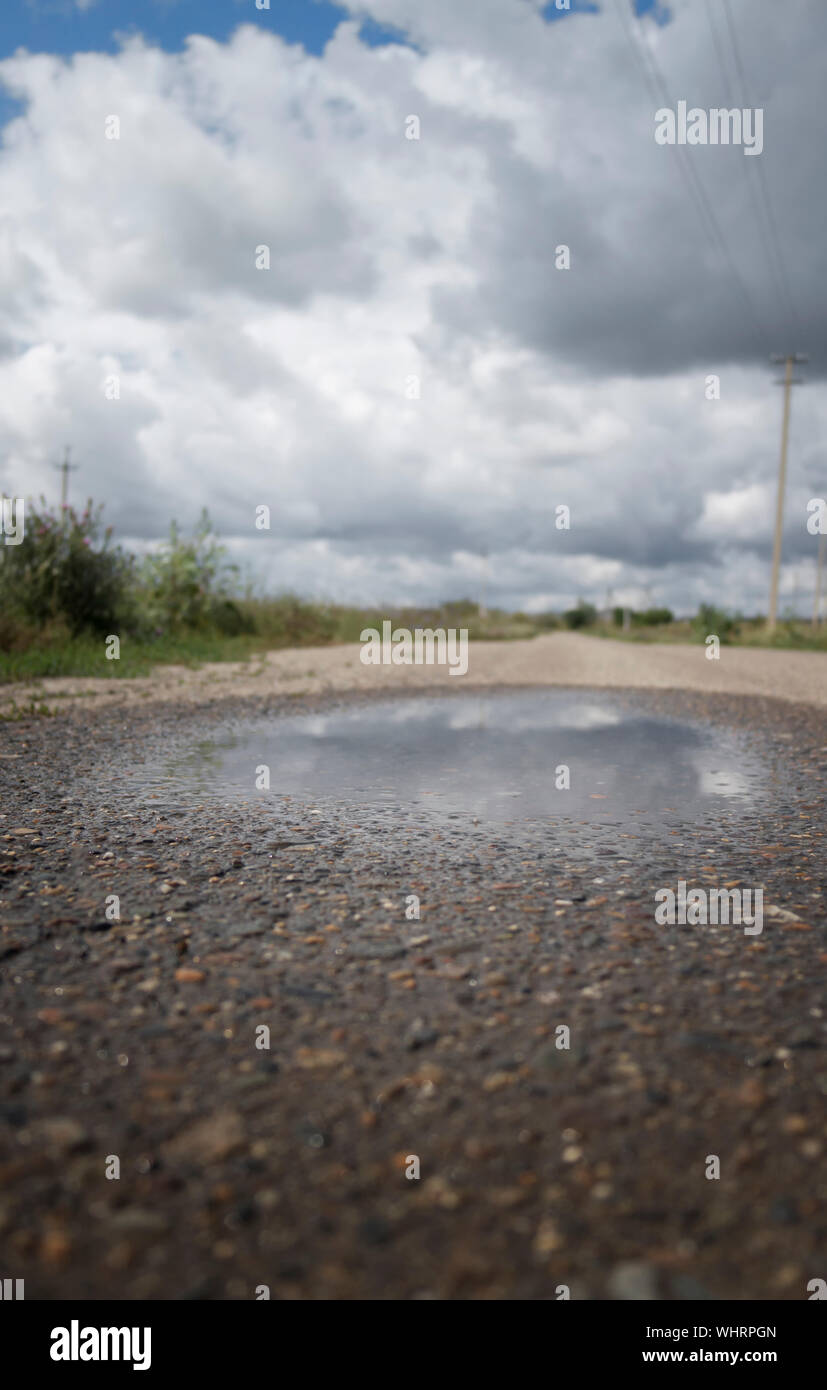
{"x":69,"y":26}
{"x":59,"y":26}
{"x":72,"y":26}
{"x":426,"y":262}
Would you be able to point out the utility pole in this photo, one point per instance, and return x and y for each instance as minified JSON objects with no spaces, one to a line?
{"x":822,"y":547}
{"x":65,"y":468}
{"x":483,"y":607}
{"x":788,"y":381}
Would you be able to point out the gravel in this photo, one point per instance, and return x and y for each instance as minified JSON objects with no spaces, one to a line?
{"x":558,"y":659}
{"x":243,"y":925}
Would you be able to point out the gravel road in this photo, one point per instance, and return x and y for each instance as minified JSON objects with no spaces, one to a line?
{"x":561,"y":658}
{"x":540,"y":1169}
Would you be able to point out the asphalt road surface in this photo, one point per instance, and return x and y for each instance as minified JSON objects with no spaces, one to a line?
{"x":302,"y":1085}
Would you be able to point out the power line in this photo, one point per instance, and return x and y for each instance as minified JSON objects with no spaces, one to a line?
{"x":780,"y":271}
{"x":759,"y":208}
{"x":716,"y":43}
{"x":689,"y":165}
{"x":697,"y":193}
{"x":776,"y":261}
{"x":654,"y":94}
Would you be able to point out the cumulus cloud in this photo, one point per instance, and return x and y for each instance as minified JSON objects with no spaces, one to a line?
{"x":739,"y":515}
{"x":413,"y":383}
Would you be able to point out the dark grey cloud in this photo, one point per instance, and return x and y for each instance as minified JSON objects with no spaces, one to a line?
{"x":430,"y":260}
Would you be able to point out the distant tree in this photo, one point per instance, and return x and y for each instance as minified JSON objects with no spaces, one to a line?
{"x":582,"y":616}
{"x":652,"y":617}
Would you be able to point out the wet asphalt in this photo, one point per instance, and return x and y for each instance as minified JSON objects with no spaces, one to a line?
{"x":403,"y":1045}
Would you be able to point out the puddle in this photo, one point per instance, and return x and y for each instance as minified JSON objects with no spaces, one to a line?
{"x":500,"y":758}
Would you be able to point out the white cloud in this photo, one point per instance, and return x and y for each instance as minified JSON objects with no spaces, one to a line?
{"x":739,"y":515}
{"x":390,"y":259}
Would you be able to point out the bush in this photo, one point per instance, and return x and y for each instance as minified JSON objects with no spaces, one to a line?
{"x":228,"y":618}
{"x":186,"y":584}
{"x":713,"y":621}
{"x":653,"y":617}
{"x":66,"y":571}
{"x":459,"y":612}
{"x":582,"y":616}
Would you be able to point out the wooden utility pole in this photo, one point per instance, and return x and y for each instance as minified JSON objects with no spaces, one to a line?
{"x":822,"y":547}
{"x":65,"y":468}
{"x":789,"y":381}
{"x":483,"y":607}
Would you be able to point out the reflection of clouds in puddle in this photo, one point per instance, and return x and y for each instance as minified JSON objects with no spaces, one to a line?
{"x":312,"y":726}
{"x":503,"y":714}
{"x":728,"y":780}
{"x":508,"y":719}
{"x":415,"y":712}
{"x":352,"y":723}
{"x":476,"y":753}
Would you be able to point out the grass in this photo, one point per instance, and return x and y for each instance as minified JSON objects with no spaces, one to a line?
{"x":791,"y":634}
{"x":81,"y":656}
{"x":34,"y":709}
{"x":289,"y":622}
{"x":36,"y":654}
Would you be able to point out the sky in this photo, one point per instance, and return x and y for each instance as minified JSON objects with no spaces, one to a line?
{"x":417,"y":382}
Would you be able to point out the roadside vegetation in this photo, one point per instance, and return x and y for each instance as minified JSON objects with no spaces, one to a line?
{"x":733,"y":629}
{"x":69,"y":587}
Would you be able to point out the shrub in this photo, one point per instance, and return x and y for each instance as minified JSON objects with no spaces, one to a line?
{"x":582,"y":616}
{"x":653,"y":617}
{"x":459,"y":611}
{"x":711,"y":620}
{"x":288,"y":621}
{"x":187,"y":584}
{"x":66,"y":570}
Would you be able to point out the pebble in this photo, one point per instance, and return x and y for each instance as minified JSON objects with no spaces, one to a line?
{"x":667,"y":1045}
{"x":208,"y":1140}
{"x":633,"y":1280}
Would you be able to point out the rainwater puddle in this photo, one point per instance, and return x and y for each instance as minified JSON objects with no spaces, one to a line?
{"x":499,"y":758}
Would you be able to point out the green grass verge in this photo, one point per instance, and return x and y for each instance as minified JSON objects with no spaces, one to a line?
{"x":86,"y":657}
{"x":292,"y":623}
{"x":789,"y":635}
{"x":277,"y":624}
